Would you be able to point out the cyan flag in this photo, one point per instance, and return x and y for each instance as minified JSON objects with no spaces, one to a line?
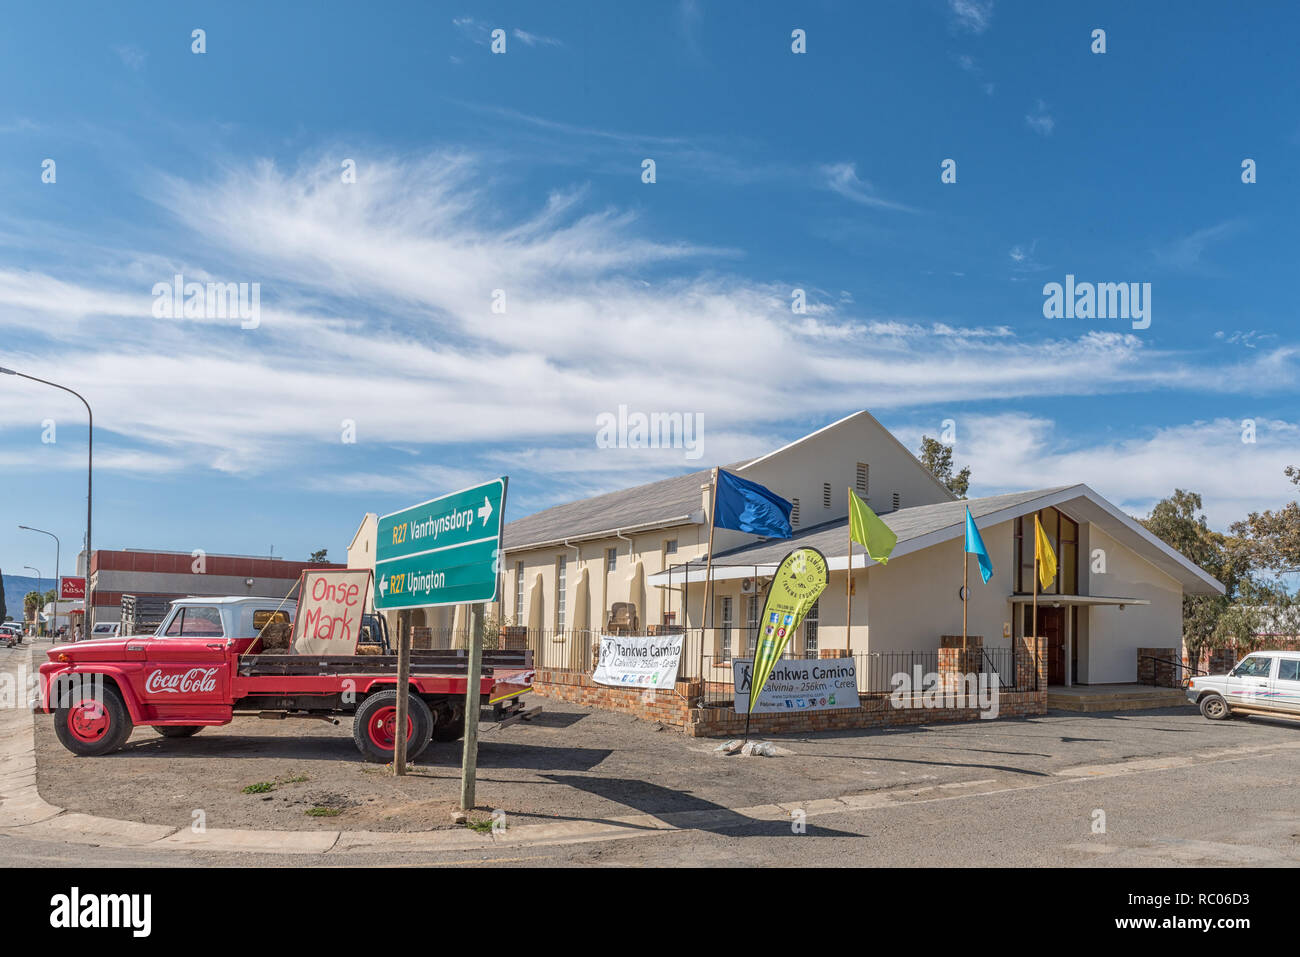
{"x":749,"y":507}
{"x":975,"y":545}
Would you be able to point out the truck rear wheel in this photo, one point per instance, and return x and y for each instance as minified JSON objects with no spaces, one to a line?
{"x":95,"y":722}
{"x":178,"y":730}
{"x":374,"y":727}
{"x":451,"y":730}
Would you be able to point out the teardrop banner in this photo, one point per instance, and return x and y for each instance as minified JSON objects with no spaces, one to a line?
{"x":797,"y":584}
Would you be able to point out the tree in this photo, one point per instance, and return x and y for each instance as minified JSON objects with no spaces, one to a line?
{"x":4,"y":609}
{"x":31,"y":601}
{"x":1273,"y":538}
{"x":1209,"y":621}
{"x":318,"y":557}
{"x":937,"y":457}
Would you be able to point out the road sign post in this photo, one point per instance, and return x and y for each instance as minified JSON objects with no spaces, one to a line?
{"x":469,"y":757}
{"x":445,"y":551}
{"x":403,"y":683}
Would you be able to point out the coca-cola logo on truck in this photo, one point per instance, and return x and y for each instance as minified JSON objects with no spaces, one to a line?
{"x":194,"y":681}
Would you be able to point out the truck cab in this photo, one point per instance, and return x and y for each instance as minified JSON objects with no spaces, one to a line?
{"x":1262,"y":683}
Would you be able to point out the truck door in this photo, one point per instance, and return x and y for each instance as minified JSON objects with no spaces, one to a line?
{"x":1248,"y":683}
{"x":187,"y":668}
{"x":1286,"y":686}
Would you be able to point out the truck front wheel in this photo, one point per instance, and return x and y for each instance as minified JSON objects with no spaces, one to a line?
{"x":374,"y":727}
{"x":95,"y":722}
{"x":1214,"y":707}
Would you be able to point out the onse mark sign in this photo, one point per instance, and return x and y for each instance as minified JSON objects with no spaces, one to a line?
{"x":441,"y":552}
{"x":329,"y":611}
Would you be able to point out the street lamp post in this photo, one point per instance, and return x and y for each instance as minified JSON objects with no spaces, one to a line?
{"x":58,"y":588}
{"x":39,"y":596}
{"x":90,"y":452}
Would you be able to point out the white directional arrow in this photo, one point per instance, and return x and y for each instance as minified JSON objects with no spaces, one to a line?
{"x":383,"y":585}
{"x":485,"y":511}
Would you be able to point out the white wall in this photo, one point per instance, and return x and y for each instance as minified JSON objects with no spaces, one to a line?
{"x":913,"y":600}
{"x":1113,"y":636}
{"x":833,"y":456}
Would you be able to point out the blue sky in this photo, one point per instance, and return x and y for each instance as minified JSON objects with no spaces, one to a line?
{"x":522,"y":171}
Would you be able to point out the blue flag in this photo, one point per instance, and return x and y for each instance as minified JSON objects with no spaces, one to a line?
{"x":975,"y":545}
{"x":749,"y":507}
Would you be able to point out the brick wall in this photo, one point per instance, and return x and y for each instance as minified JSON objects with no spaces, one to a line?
{"x":873,"y":713}
{"x":673,"y":708}
{"x":1159,"y":673}
{"x":667,"y":707}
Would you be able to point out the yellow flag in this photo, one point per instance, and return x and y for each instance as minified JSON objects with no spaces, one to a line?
{"x":1043,"y":552}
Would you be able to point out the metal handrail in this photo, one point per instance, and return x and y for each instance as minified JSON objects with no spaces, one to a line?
{"x":1191,"y":672}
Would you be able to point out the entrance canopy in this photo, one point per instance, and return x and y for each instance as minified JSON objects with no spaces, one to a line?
{"x":1050,"y":601}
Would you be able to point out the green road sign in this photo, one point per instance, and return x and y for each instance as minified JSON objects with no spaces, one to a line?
{"x":443,"y":552}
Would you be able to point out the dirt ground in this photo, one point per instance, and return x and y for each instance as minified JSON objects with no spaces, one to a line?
{"x":570,"y":762}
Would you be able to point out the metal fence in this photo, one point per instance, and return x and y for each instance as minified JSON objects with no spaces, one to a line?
{"x":880,"y":674}
{"x":877,"y":673}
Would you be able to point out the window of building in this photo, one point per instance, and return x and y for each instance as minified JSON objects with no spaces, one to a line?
{"x":1063,"y":535}
{"x":810,"y":623}
{"x":519,"y":593}
{"x":863,"y":479}
{"x":725,"y":625}
{"x":561,"y":586}
{"x":794,"y":511}
{"x":611,"y":559}
{"x":826,"y":494}
{"x":898,"y":501}
{"x":670,"y":547}
{"x":753,"y":608}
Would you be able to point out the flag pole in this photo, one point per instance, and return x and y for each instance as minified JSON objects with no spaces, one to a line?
{"x":1035,"y":602}
{"x":848,"y":587}
{"x":965,"y":597}
{"x":708,"y":576}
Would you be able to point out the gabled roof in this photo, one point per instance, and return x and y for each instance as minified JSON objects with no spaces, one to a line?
{"x":670,"y":501}
{"x":861,"y":414}
{"x":922,"y":526}
{"x":662,"y":504}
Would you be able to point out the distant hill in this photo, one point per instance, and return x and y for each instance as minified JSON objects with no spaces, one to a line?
{"x":16,"y":586}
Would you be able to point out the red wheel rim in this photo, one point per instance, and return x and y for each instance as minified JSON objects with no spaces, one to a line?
{"x":88,"y":720}
{"x":383,"y":728}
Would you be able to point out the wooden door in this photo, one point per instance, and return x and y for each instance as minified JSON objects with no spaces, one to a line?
{"x":1051,"y":625}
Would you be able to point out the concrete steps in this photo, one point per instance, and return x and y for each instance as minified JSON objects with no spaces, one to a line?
{"x":1126,"y":699}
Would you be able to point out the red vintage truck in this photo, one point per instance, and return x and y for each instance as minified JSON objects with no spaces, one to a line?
{"x":203,"y":666}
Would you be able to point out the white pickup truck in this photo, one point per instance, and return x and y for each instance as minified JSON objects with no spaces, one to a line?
{"x":1264,"y":682}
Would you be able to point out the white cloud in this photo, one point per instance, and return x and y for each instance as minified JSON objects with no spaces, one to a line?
{"x":972,"y":15}
{"x":534,"y":39}
{"x":1015,"y":451}
{"x":1039,"y":120}
{"x":376,"y":308}
{"x":842,"y":178}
